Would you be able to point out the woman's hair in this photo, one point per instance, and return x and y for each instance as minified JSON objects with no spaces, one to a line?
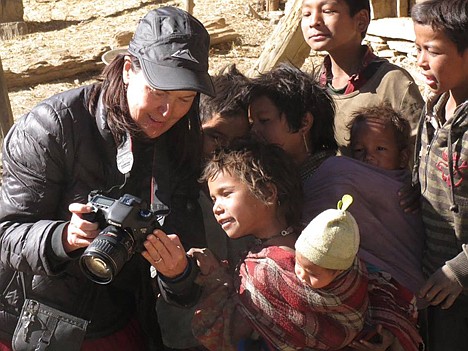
{"x":184,"y":137}
{"x":448,"y":16}
{"x":295,"y":93}
{"x":259,"y":165}
{"x":386,"y":115}
{"x":229,"y":100}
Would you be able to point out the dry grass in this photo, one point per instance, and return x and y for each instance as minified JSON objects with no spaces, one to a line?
{"x":74,"y":27}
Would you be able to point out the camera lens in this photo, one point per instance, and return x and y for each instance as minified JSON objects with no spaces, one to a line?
{"x":107,"y":254}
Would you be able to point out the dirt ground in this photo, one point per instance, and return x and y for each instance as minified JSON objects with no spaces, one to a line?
{"x":74,"y":27}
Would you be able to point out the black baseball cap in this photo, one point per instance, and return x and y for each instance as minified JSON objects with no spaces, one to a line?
{"x":172,"y":47}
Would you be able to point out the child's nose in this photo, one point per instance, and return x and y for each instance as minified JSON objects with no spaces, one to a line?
{"x":315,"y":19}
{"x":368,"y":156}
{"x":217,"y":208}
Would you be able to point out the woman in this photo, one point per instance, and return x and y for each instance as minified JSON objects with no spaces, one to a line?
{"x":137,"y":132}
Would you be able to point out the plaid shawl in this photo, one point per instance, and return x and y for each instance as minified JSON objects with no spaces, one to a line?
{"x":285,"y":312}
{"x":394,"y":306}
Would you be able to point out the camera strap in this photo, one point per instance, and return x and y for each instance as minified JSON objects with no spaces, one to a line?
{"x":160,"y":182}
{"x":125,"y":157}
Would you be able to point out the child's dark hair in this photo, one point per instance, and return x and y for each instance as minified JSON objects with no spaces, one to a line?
{"x":295,"y":93}
{"x":259,"y":165}
{"x":357,"y":5}
{"x":385,"y":114}
{"x":229,"y":100}
{"x":448,"y":16}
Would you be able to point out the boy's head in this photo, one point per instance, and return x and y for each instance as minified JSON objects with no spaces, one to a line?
{"x":264,"y":171}
{"x":380,"y":136}
{"x":224,"y":116}
{"x":329,"y":245}
{"x":328,"y":25}
{"x":441,"y":29}
{"x":305,"y":111}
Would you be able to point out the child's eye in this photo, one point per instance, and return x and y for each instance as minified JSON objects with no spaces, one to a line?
{"x":226,"y":193}
{"x":306,"y":14}
{"x":263,"y":120}
{"x":328,"y":10}
{"x":381,"y":148}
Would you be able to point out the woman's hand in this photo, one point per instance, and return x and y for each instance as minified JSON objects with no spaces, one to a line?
{"x":79,"y":232}
{"x":387,"y":339}
{"x":442,"y":288}
{"x":165,"y":253}
{"x":206,"y":260}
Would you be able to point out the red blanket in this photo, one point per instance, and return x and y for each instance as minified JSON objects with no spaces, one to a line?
{"x":287,"y":313}
{"x":394,"y":306}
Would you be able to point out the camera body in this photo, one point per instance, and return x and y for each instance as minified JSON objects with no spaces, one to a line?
{"x":125,"y":222}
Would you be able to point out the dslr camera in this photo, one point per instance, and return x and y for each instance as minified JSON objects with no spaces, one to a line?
{"x":125,"y":223}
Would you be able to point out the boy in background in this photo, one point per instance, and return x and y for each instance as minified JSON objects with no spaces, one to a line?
{"x":441,"y":167}
{"x":352,"y":73}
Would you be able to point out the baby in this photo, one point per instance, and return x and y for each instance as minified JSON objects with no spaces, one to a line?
{"x":327,"y":247}
{"x":327,"y":262}
{"x":380,"y":136}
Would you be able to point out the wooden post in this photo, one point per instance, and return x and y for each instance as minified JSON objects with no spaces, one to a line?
{"x":286,"y":43}
{"x":6,"y":116}
{"x":402,"y":8}
{"x":189,"y":5}
{"x":272,"y":5}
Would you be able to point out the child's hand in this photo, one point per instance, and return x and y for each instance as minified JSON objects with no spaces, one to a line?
{"x":410,"y":198}
{"x":387,"y":339}
{"x":206,"y":260}
{"x":441,"y":288}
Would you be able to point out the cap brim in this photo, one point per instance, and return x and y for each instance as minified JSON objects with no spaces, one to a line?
{"x":177,"y":78}
{"x":110,"y":55}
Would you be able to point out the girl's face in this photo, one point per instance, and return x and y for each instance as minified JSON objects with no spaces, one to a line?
{"x":237,"y":211}
{"x":375,"y":143}
{"x":154,"y":111}
{"x":327,"y":25}
{"x":315,"y":276}
{"x":269,"y":124}
{"x":443,"y":67}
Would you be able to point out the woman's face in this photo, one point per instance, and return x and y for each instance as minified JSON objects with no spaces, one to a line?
{"x":154,"y":111}
{"x":269,"y":124}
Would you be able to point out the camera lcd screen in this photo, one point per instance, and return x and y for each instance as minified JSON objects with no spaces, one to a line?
{"x":104,"y":201}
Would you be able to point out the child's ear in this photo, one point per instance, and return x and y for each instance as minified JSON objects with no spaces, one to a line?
{"x":272,"y":193}
{"x":362,"y":20}
{"x":404,"y":157}
{"x":307,"y":123}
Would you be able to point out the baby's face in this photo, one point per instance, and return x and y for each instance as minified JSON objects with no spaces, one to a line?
{"x":375,"y":143}
{"x":315,"y":276}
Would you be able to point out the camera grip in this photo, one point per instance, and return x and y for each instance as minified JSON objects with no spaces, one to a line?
{"x":90,"y":216}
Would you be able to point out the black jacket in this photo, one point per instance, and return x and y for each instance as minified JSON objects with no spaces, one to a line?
{"x":53,"y":156}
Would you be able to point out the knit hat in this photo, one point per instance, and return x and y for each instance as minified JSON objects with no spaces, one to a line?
{"x":331,"y":240}
{"x":172,"y":47}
